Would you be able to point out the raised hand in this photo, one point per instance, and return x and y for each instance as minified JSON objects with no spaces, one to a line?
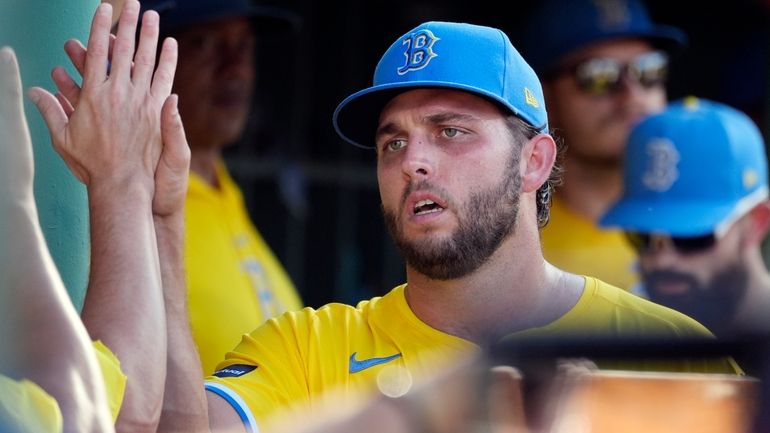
{"x":109,"y":131}
{"x":172,"y":171}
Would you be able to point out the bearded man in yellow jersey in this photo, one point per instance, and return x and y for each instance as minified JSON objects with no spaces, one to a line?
{"x":464,"y":164}
{"x":235,"y":282}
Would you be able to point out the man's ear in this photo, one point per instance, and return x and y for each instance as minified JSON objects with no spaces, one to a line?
{"x":759,"y":222}
{"x":538,"y":156}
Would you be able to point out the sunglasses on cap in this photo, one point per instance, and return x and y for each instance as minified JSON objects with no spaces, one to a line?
{"x":642,"y":242}
{"x":603,"y":75}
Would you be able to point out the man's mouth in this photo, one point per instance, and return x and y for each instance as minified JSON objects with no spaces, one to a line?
{"x":424,"y":207}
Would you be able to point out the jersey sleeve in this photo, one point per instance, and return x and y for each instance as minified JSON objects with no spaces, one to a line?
{"x":265,"y":375}
{"x":114,"y":379}
{"x":25,"y":407}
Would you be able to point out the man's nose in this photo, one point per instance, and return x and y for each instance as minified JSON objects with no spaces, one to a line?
{"x":419,"y":159}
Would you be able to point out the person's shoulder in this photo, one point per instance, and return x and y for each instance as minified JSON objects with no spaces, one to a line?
{"x":652,"y":317}
{"x":335,"y":315}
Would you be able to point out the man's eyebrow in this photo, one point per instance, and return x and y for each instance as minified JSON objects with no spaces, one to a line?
{"x":440,"y":118}
{"x":434,"y":119}
{"x":386,"y":129}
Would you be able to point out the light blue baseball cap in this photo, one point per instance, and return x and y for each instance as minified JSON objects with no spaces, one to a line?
{"x":691,"y":170}
{"x":468,"y":57}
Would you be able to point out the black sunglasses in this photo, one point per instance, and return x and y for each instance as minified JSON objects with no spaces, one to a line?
{"x":601,"y":76}
{"x":642,"y":242}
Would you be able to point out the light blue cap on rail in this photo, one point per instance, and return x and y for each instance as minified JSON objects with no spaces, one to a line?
{"x":691,"y":170}
{"x":468,"y":57}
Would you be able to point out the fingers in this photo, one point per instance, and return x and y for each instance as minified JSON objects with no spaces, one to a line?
{"x":16,"y":166}
{"x":65,"y":104}
{"x":123,"y":50}
{"x":172,"y":133}
{"x":53,"y":114}
{"x":164,"y":75}
{"x":66,"y":86}
{"x":144,"y":61}
{"x":95,"y":68}
{"x":12,"y":107}
{"x":77,"y":54}
{"x":172,"y":171}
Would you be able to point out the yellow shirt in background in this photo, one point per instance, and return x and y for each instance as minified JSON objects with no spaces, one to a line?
{"x":577,"y":245}
{"x":234,"y":280}
{"x":295,"y":359}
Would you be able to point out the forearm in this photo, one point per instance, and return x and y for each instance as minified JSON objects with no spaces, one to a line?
{"x":44,"y":340}
{"x":124,"y":302}
{"x":184,"y":403}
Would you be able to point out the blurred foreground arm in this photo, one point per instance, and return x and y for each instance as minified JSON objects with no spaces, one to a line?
{"x":43,"y":337}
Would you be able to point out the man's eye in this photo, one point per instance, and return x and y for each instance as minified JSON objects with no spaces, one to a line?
{"x":395,"y":145}
{"x":450,"y":132}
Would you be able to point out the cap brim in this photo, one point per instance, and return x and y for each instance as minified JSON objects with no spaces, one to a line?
{"x":676,"y":219}
{"x":669,"y":39}
{"x":357,"y":117}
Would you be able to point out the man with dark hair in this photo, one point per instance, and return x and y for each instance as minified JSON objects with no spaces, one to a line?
{"x":603,"y":65}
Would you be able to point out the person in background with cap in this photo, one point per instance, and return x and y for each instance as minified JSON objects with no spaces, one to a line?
{"x":235,"y":282}
{"x":603,"y":66}
{"x":695,"y":207}
{"x":464,"y":162}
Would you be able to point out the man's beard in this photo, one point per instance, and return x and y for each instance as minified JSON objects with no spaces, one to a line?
{"x":714,"y":304}
{"x":484,"y":222}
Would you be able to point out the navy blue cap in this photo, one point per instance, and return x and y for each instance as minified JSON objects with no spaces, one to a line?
{"x":178,"y":14}
{"x":472,"y":58}
{"x":556,"y":28}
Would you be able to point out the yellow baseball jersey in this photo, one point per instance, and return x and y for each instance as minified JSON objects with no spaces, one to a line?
{"x":295,"y":358}
{"x":235,"y":282}
{"x":577,"y":245}
{"x":25,"y":407}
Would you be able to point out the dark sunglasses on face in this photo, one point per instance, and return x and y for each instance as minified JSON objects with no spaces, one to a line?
{"x":683,"y":245}
{"x":600,"y":75}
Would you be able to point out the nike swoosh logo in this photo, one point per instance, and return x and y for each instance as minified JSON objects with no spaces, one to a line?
{"x":355,"y":365}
